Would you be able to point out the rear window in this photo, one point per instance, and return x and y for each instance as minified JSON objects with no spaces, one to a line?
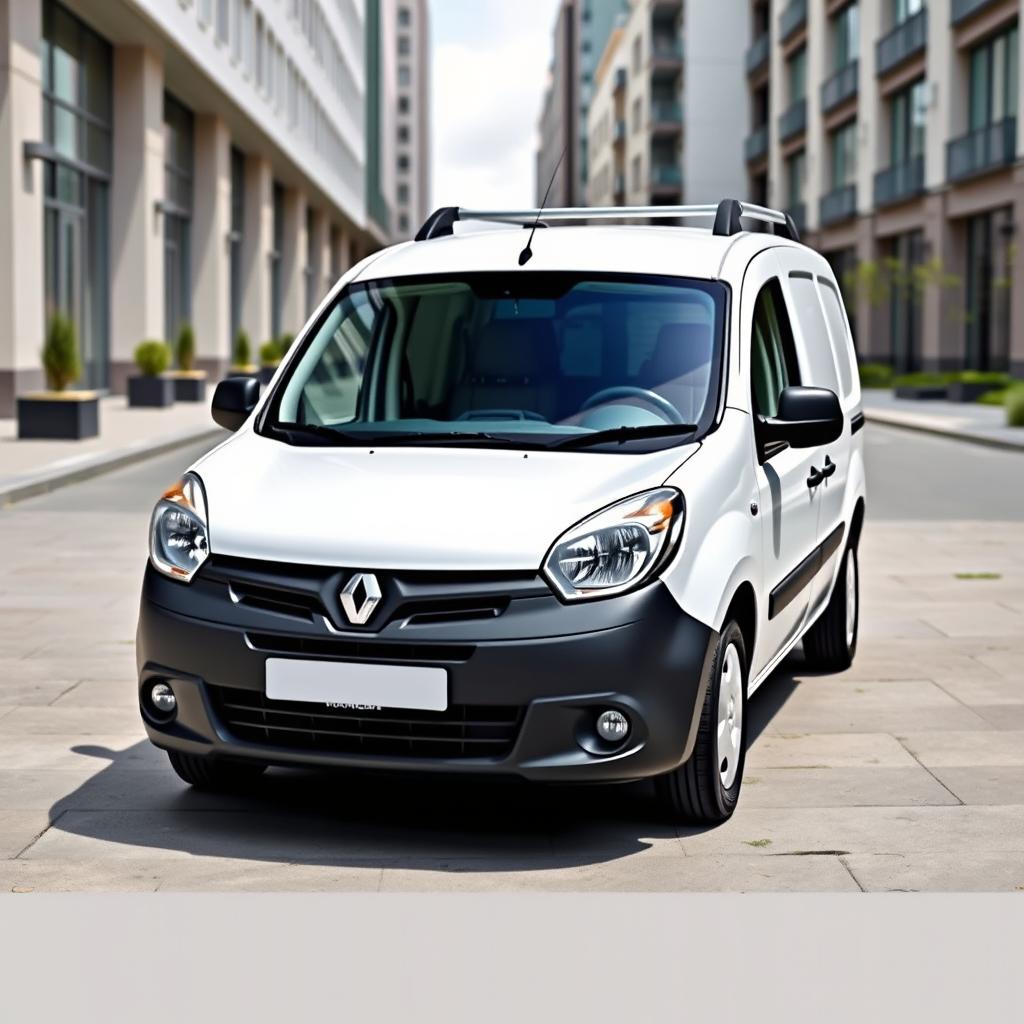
{"x":841,"y":346}
{"x":817,"y":345}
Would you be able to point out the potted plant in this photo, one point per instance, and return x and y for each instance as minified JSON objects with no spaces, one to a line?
{"x":270,"y":360}
{"x":151,"y":388}
{"x":970,"y":385}
{"x":59,"y":413}
{"x":918,"y":386}
{"x":1014,"y":402}
{"x":241,"y":360}
{"x":189,"y":383}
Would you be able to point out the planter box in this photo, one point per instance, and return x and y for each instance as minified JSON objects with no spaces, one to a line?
{"x":921,"y":392}
{"x":150,"y":392}
{"x":266,"y":374}
{"x":56,"y":416}
{"x":243,"y":371}
{"x":959,"y":391}
{"x":189,"y":387}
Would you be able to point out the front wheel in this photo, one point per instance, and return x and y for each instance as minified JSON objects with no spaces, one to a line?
{"x":212,"y":774}
{"x":831,"y":643}
{"x":705,"y":789}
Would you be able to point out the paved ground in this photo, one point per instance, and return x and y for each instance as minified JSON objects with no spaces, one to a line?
{"x":906,"y":772}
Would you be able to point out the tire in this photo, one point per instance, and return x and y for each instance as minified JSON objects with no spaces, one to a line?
{"x":831,"y":643}
{"x":209,"y":773}
{"x":700,"y":792}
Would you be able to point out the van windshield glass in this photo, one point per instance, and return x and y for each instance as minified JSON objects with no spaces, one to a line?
{"x":525,"y":359}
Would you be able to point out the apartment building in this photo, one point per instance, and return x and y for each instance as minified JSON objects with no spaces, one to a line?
{"x":669,"y":90}
{"x":889,"y":130}
{"x":411,"y":119}
{"x":172,"y":161}
{"x":580,"y":33}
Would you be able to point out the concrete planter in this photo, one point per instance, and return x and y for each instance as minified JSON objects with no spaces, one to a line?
{"x":150,"y":392}
{"x":968,"y":392}
{"x":266,"y":374}
{"x":59,"y":415}
{"x":921,"y":392}
{"x":189,"y":385}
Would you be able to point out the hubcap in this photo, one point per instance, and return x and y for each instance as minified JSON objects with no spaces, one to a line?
{"x":851,"y":598}
{"x":730,"y":716}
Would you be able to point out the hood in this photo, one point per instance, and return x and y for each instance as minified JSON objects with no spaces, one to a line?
{"x":411,"y":508}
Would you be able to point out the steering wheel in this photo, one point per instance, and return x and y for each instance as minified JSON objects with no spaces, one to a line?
{"x":662,"y":405}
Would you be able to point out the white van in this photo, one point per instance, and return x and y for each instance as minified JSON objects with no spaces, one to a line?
{"x":554,"y":511}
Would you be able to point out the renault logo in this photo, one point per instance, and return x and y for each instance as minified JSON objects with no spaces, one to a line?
{"x":359,"y":597}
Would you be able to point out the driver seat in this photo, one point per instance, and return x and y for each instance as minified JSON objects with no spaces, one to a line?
{"x":679,"y":368}
{"x":512,"y":365}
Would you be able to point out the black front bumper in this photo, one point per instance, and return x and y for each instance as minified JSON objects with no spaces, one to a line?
{"x":525,"y":683}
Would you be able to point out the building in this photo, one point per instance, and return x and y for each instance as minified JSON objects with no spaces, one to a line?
{"x":665,"y":123}
{"x":889,"y":130}
{"x":411,"y":128}
{"x":581,"y":31}
{"x":161,"y":162}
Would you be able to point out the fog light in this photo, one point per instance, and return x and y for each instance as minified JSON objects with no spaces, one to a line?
{"x":612,"y":726}
{"x":162,"y":698}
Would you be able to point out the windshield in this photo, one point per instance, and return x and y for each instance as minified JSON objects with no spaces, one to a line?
{"x":523,"y":359}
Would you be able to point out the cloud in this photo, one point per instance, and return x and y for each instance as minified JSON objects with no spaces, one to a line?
{"x":487,"y":97}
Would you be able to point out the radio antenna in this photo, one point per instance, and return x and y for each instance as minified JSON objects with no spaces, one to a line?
{"x":527,"y":254}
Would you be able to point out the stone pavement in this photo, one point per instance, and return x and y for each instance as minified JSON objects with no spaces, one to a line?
{"x":906,"y":772}
{"x":126,"y":436}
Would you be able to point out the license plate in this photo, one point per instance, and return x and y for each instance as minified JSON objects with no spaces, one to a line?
{"x":348,"y":684}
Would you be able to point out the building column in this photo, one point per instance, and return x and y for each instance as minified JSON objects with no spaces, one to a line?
{"x":22,"y":323}
{"x":322,"y":279}
{"x":211,"y":260}
{"x":293,"y":262}
{"x":1017,"y":278}
{"x":941,"y":314}
{"x":257,"y":242}
{"x":136,"y":226}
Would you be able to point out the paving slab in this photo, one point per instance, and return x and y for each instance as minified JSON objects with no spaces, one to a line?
{"x":966,"y":749}
{"x":843,"y":787}
{"x":983,"y":871}
{"x":994,"y":784}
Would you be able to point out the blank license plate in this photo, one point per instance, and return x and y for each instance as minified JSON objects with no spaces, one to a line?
{"x":387,"y":686}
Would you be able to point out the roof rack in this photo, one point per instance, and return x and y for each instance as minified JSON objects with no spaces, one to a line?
{"x":727,"y":216}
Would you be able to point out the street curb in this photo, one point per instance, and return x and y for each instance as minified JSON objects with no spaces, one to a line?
{"x":104,"y":462}
{"x":884,"y":419}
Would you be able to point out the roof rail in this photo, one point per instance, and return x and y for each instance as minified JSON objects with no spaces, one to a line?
{"x":727,"y":217}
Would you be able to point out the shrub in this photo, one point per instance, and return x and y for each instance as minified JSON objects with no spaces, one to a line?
{"x":153,"y":357}
{"x":1015,"y":406}
{"x":243,"y":350}
{"x":186,"y":347}
{"x":996,"y":379}
{"x":61,"y":361}
{"x":270,"y":353}
{"x":875,"y":375}
{"x":922,"y":379}
{"x":284,"y":343}
{"x":994,"y":397}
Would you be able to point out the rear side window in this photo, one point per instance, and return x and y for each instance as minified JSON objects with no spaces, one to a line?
{"x":841,"y":344}
{"x":821,"y":366}
{"x":773,"y":365}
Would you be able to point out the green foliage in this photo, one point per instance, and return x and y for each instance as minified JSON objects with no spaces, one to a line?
{"x":186,"y":347}
{"x":922,"y":379}
{"x":1015,"y":406}
{"x":152,"y":357}
{"x":284,"y":343}
{"x":996,"y":379}
{"x":270,"y":353}
{"x":875,"y":375}
{"x":61,"y":362}
{"x":995,"y":397}
{"x":243,"y":348}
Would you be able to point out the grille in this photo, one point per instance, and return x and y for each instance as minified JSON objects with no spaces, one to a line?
{"x":357,"y":650}
{"x":463,"y":731}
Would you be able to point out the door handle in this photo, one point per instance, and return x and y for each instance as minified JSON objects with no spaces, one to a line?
{"x":830,"y":468}
{"x":815,"y":478}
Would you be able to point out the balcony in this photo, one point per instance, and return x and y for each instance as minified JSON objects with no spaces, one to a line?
{"x":666,"y":117}
{"x":798,"y":212}
{"x":838,"y":205}
{"x":666,"y":178}
{"x":667,"y":52}
{"x":986,"y":149}
{"x":793,"y":121}
{"x":792,"y":19}
{"x":841,"y":87}
{"x":756,"y":145}
{"x":620,"y":80}
{"x":899,"y":182}
{"x":902,"y":43}
{"x":758,"y":53}
{"x":961,"y":10}
{"x":619,"y":133}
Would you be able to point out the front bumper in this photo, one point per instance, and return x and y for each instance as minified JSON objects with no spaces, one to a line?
{"x":553,"y":666}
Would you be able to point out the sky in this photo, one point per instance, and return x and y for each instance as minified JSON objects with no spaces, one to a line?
{"x":490,"y":63}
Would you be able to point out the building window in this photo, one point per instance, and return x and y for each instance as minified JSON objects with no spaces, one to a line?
{"x":638,"y":57}
{"x":993,"y":84}
{"x":403,"y":104}
{"x":403,"y":133}
{"x":846,"y":36}
{"x":904,"y":10}
{"x":404,"y":17}
{"x":403,"y":163}
{"x":843,"y":150}
{"x":403,"y":224}
{"x":204,"y":11}
{"x":989,"y":275}
{"x":908,"y":115}
{"x":77,"y":118}
{"x":404,"y":46}
{"x":312,"y":262}
{"x":275,"y":262}
{"x":235,"y":241}
{"x":177,"y":218}
{"x":638,"y":114}
{"x":637,"y":174}
{"x":403,"y":194}
{"x":404,"y":75}
{"x":222,"y":21}
{"x":796,"y":179}
{"x":904,"y":254}
{"x":796,"y":73}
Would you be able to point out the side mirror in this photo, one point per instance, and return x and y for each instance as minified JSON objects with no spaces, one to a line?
{"x":807,"y":417}
{"x":234,"y":400}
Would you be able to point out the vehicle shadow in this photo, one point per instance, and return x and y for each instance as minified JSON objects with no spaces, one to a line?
{"x":372,"y":819}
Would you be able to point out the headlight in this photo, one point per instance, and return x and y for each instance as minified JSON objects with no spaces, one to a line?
{"x":618,"y":548}
{"x":179,"y":541}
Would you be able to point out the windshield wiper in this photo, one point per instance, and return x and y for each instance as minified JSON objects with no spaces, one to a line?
{"x":336,"y":436}
{"x":623,"y":434}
